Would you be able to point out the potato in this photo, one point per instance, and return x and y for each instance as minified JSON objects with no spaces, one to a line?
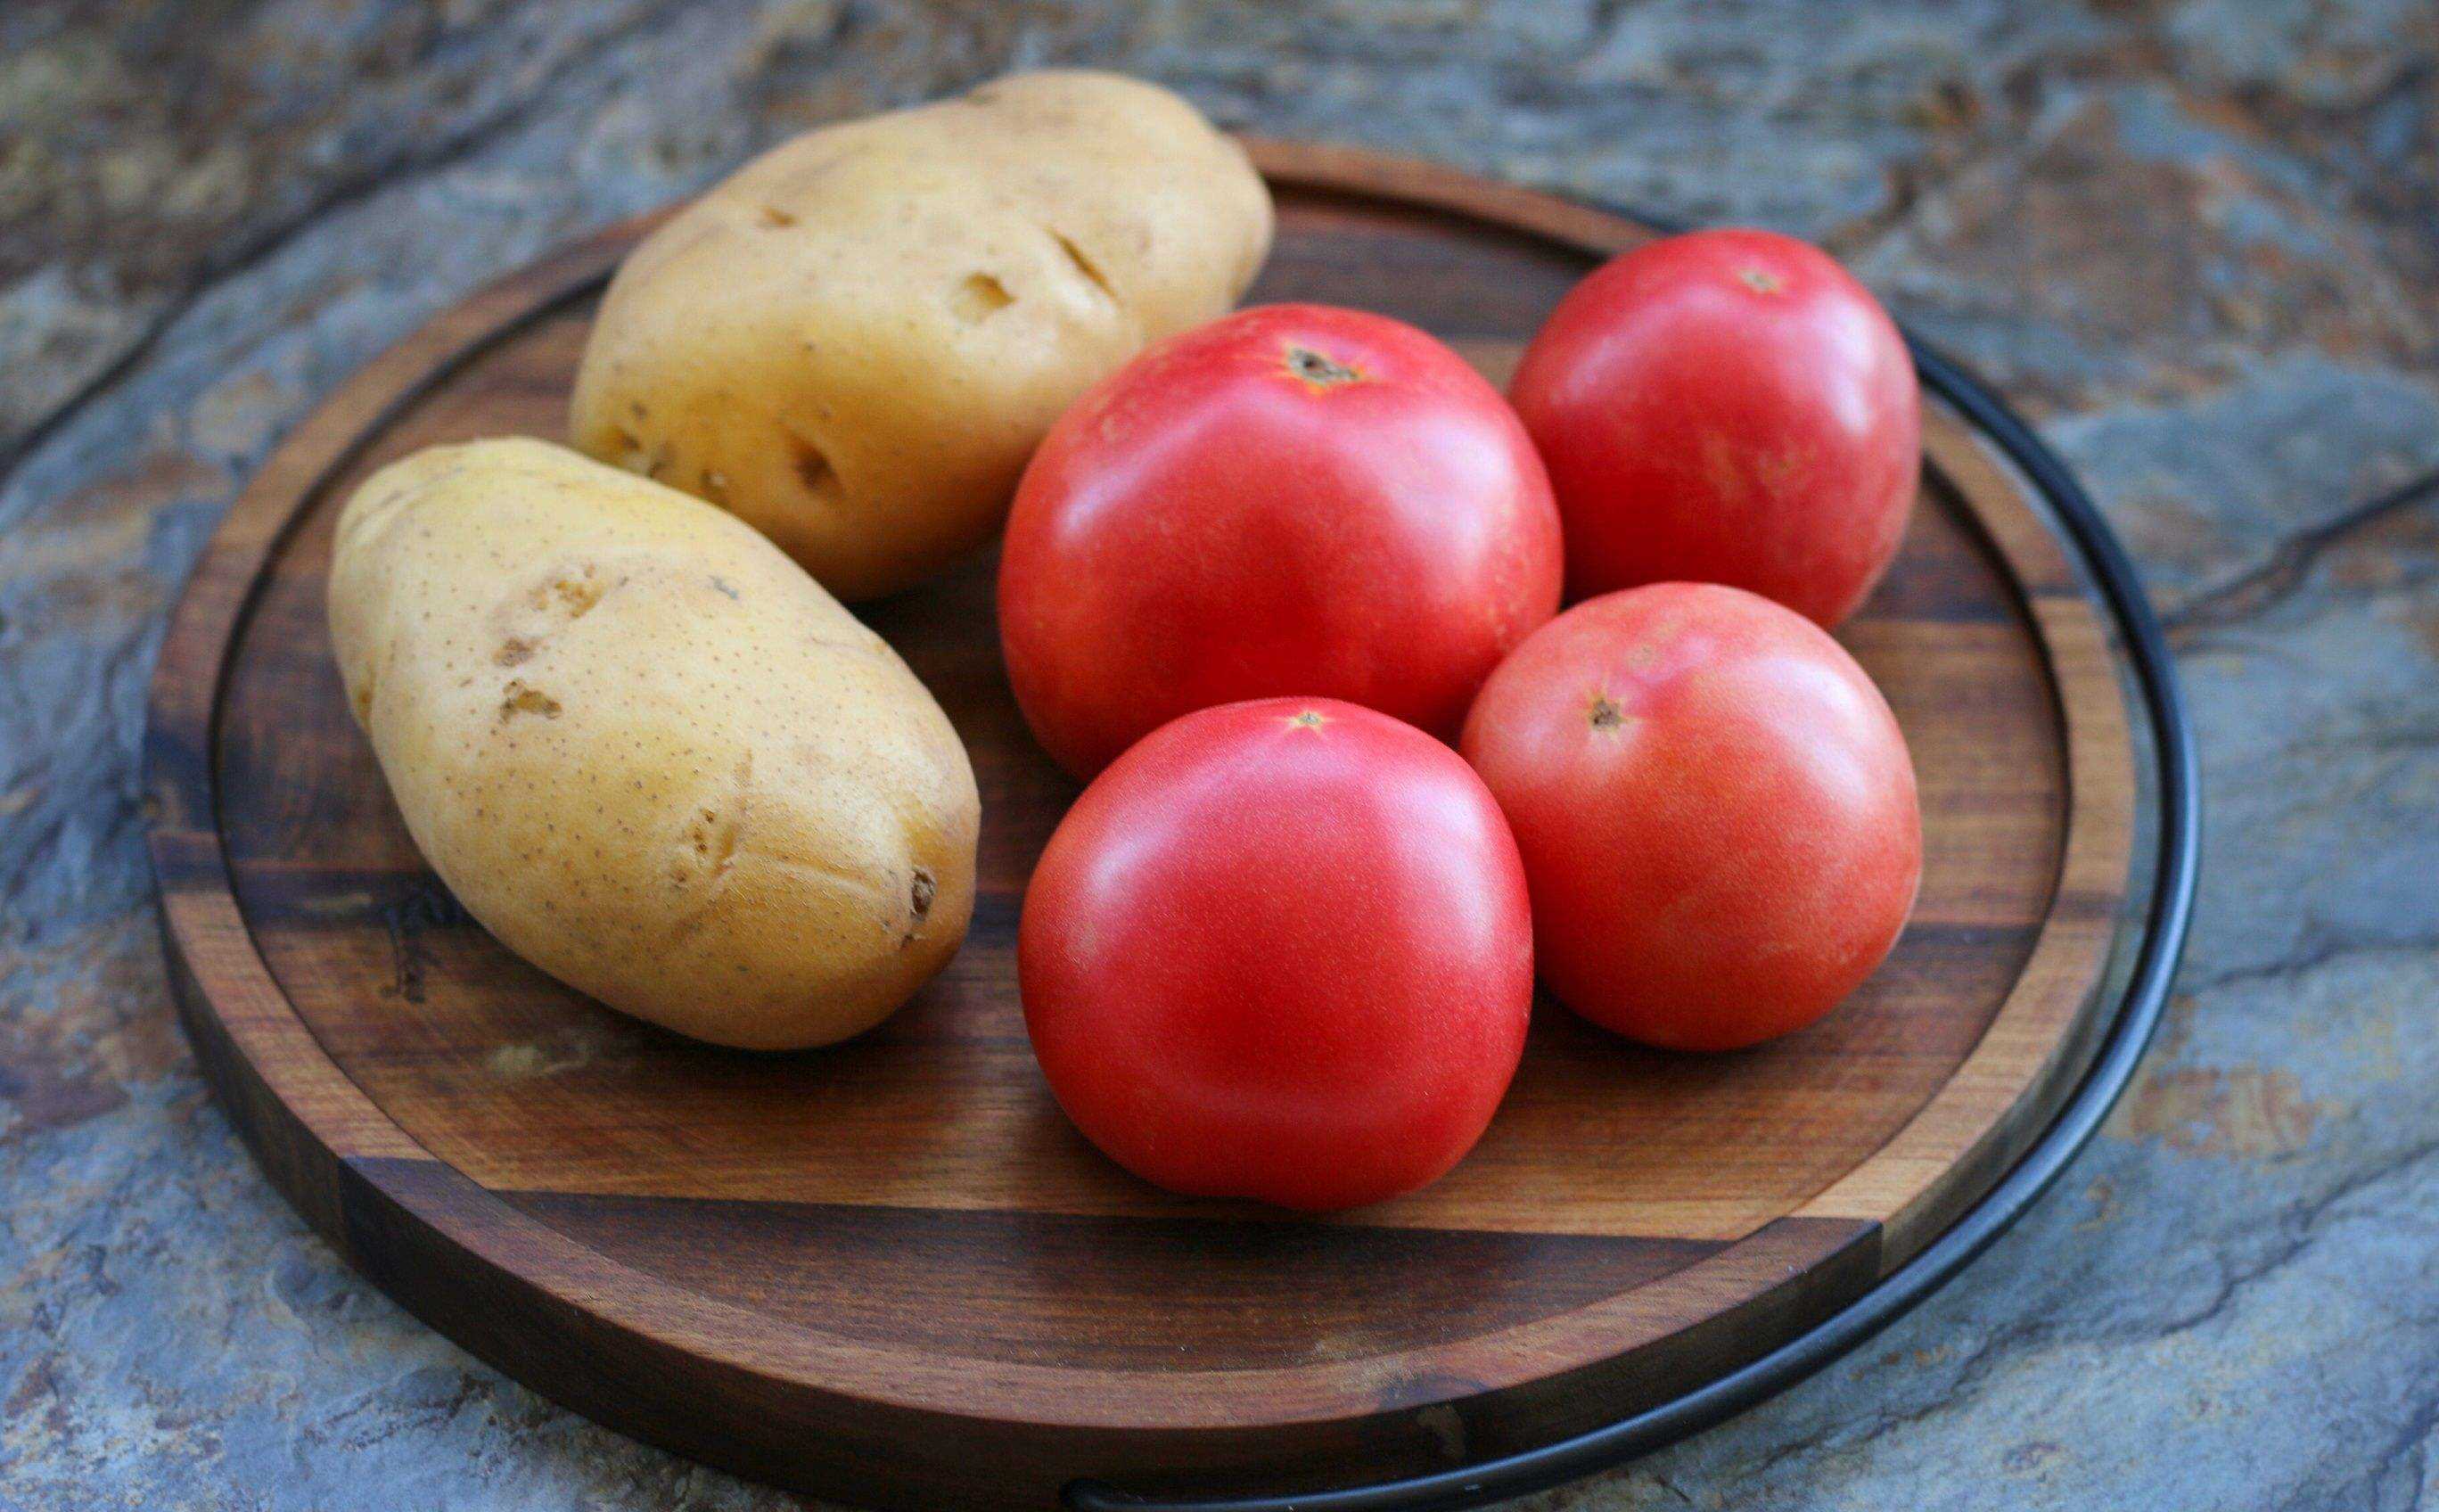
{"x":856,"y":341}
{"x":645,"y":751}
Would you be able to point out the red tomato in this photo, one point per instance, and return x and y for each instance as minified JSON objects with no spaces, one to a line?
{"x":1280,"y":950}
{"x":1727,"y":407}
{"x":1716,"y":810}
{"x":1293,"y":500}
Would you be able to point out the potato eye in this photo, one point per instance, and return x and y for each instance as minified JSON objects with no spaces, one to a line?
{"x":979,"y":297}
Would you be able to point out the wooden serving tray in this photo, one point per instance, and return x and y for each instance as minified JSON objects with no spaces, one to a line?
{"x":891,"y":1273}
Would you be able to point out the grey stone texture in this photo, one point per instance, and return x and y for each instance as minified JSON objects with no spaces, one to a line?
{"x":2197,"y":240}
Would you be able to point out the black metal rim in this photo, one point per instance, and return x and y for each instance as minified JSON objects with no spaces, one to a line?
{"x":2146,"y":994}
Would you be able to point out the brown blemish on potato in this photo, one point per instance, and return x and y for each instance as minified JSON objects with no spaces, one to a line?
{"x":775,"y":219}
{"x":813,"y":470}
{"x":1084,"y":266}
{"x":559,"y":600}
{"x":630,"y":448}
{"x":979,"y":297}
{"x":578,"y":594}
{"x":920,"y":896}
{"x":715,"y":838}
{"x":633,"y":456}
{"x":517,"y":698}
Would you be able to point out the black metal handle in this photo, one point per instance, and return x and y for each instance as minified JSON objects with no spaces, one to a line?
{"x":2146,"y":992}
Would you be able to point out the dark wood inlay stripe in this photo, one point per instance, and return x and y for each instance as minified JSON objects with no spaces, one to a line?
{"x":1120,"y":1292}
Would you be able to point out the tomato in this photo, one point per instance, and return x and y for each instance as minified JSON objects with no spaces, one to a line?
{"x":1729,"y":406}
{"x":1715,"y":808}
{"x":1280,"y":950}
{"x":1293,"y":500}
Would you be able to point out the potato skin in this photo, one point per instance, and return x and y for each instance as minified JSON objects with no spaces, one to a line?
{"x":645,"y":751}
{"x":855,"y":341}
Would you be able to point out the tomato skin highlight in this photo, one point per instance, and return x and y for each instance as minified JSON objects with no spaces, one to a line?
{"x":1716,"y":808}
{"x":1280,"y":950}
{"x":1727,"y":406}
{"x":1296,"y":500}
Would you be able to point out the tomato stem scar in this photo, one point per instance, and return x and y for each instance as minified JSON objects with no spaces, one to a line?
{"x":1759,"y":280}
{"x":1606,"y":716}
{"x":1317,"y":370}
{"x":1309,"y":719}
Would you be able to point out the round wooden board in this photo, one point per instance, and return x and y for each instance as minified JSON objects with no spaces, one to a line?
{"x":890,"y":1273}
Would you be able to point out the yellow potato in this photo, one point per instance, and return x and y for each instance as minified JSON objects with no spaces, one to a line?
{"x":856,"y":341}
{"x":645,"y":751}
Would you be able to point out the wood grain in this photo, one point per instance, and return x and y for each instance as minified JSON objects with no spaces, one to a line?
{"x":890,"y":1272}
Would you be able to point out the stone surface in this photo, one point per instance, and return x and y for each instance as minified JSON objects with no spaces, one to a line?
{"x":2199,"y":242}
